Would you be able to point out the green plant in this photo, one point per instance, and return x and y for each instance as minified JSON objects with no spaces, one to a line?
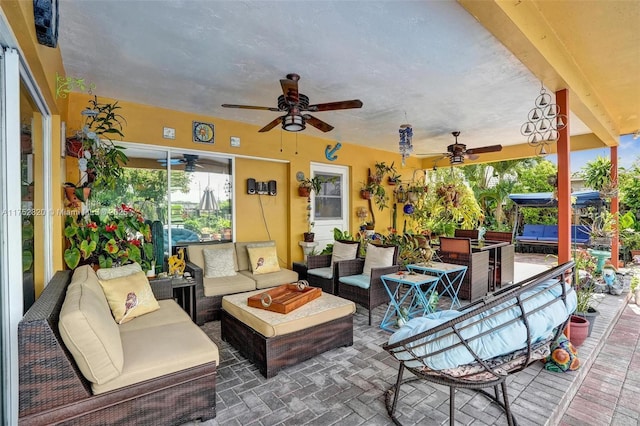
{"x":635,"y":283}
{"x":118,"y":237}
{"x":412,"y":248}
{"x":105,"y":159}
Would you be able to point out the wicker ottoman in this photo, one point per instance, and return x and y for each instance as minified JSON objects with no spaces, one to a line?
{"x":273,"y":341}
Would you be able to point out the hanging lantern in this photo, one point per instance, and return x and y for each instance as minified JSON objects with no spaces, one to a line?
{"x":406,"y":145}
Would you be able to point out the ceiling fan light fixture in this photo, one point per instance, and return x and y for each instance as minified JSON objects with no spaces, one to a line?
{"x":293,"y":123}
{"x":457,"y":158}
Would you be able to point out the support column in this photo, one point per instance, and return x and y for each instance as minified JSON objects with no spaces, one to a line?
{"x":615,"y":243}
{"x":564,"y":181}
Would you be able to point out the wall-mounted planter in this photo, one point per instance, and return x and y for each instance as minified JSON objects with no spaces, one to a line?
{"x":365,"y":194}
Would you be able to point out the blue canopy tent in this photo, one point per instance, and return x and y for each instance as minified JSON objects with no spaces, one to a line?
{"x":545,"y":199}
{"x":583,"y":199}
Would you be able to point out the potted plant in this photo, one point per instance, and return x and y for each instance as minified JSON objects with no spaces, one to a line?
{"x":585,"y":287}
{"x":100,"y":159}
{"x":629,"y":236}
{"x":602,"y":229}
{"x":115,"y":238}
{"x":309,"y":235}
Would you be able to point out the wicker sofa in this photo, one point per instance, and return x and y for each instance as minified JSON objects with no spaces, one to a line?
{"x":239,"y":278}
{"x":78,"y":366}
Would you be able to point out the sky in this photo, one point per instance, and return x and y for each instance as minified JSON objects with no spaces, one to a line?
{"x":628,"y":151}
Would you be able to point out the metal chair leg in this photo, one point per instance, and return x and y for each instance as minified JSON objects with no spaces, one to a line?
{"x":452,"y":405}
{"x":507,"y":408}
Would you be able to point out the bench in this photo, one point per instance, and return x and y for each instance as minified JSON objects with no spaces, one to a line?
{"x":547,"y":235}
{"x":479,"y":345}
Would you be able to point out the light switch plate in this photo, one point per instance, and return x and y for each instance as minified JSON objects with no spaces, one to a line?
{"x":235,"y":141}
{"x":168,"y":133}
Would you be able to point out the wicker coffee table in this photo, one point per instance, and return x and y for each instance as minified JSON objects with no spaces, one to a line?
{"x":273,"y":341}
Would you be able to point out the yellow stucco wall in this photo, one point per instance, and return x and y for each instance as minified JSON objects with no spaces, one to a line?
{"x":273,"y":155}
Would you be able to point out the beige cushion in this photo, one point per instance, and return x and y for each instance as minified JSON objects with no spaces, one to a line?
{"x":377,"y":257}
{"x":263,"y":259}
{"x":88,"y":330}
{"x":155,"y":351}
{"x":129,"y":297}
{"x":243,"y":255}
{"x":196,"y":256}
{"x":118,"y":271}
{"x":318,"y":311}
{"x":228,"y":285}
{"x":343,"y":251}
{"x":272,"y":279}
{"x":220,"y":262}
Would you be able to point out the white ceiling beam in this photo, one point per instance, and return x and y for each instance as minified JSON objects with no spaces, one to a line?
{"x":520,"y":27}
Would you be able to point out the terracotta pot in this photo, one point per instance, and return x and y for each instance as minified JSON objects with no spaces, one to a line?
{"x":74,"y":146}
{"x":579,"y":330}
{"x":304,"y":191}
{"x":70,"y":192}
{"x":366,"y":195}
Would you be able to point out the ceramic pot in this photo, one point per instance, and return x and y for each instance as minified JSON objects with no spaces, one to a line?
{"x":579,"y":330}
{"x":308,"y":237}
{"x":590,"y":316}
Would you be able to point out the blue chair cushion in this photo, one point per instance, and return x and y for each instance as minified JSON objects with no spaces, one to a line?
{"x":362,"y":281}
{"x":321,"y":272}
{"x":531,"y":232}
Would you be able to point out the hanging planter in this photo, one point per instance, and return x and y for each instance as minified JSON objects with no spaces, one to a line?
{"x":304,"y":191}
{"x":74,"y":147}
{"x":365,"y":194}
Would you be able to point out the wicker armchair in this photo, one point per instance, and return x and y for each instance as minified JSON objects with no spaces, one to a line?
{"x":375,"y":293}
{"x":321,"y":273}
{"x":466,"y":233}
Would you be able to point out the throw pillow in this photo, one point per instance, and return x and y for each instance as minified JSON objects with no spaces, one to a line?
{"x":219,"y":262}
{"x":118,"y":271}
{"x":129,"y":297}
{"x":263,"y":259}
{"x":564,"y":357}
{"x":343,"y":251}
{"x":377,"y":257}
{"x":270,"y":243}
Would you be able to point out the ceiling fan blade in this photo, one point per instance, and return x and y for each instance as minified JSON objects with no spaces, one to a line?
{"x":330,"y":106}
{"x":271,"y":125}
{"x":250,"y":107}
{"x":290,"y":88}
{"x":318,"y":124}
{"x":483,"y":149}
{"x":472,"y":156}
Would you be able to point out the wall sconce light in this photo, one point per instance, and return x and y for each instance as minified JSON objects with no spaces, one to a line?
{"x":543,"y":124}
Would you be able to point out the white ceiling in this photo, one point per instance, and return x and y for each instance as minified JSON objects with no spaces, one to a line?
{"x":427,"y":63}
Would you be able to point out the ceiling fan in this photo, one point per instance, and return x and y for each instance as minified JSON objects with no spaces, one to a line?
{"x":457,"y":152}
{"x":190,"y":162}
{"x":294,"y":103}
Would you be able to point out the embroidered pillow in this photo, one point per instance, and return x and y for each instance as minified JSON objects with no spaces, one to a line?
{"x":118,"y":271}
{"x":377,"y":257}
{"x":263,"y":259}
{"x":219,"y":262}
{"x":270,"y":243}
{"x":129,"y":297}
{"x":343,"y":251}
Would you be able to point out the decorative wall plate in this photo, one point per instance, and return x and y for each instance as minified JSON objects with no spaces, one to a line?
{"x":203,"y":132}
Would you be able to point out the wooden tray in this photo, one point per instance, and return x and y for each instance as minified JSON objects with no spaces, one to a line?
{"x":284,"y":298}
